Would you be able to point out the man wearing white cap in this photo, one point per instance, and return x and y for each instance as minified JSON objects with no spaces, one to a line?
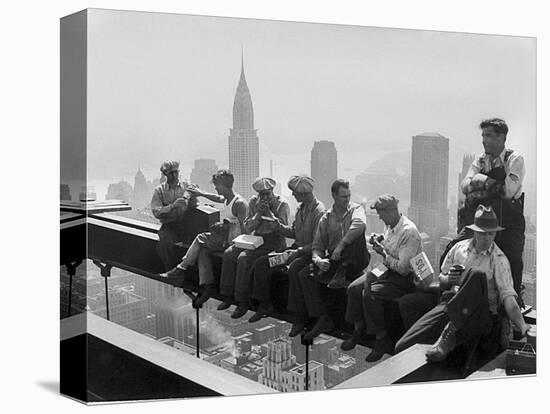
{"x":169,"y":203}
{"x":484,"y":285}
{"x":266,"y":210}
{"x":302,"y":231}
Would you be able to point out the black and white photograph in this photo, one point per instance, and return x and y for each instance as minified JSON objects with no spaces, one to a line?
{"x":277,"y":207}
{"x":289,"y":208}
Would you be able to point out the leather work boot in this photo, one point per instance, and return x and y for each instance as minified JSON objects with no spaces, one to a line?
{"x":227,"y":302}
{"x":263,"y":310}
{"x":444,"y":344}
{"x":208,"y":291}
{"x":240,"y":310}
{"x":382,"y":346}
{"x":176,"y":273}
{"x":324,"y":324}
{"x":338,"y":281}
{"x":297,"y":328}
{"x":352,"y":341}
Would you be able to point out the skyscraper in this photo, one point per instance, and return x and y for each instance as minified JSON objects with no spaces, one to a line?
{"x":120,"y":191}
{"x":142,"y":190}
{"x":202,"y":174}
{"x":324,"y":169}
{"x":429,"y":184}
{"x":244,"y":148}
{"x":467,"y":161}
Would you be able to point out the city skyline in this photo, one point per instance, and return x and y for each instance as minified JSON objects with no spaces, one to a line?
{"x":369,"y":92}
{"x":367,"y":100}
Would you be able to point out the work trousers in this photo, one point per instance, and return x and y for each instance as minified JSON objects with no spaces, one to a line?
{"x":200,"y":250}
{"x":169,"y":234}
{"x":413,"y":306}
{"x":468,"y":310}
{"x":237,"y":268}
{"x":367,"y":293}
{"x":306,"y":293}
{"x":261,"y":290}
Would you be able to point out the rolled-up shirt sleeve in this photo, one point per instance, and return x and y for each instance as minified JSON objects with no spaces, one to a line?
{"x":449,"y":260}
{"x":320,"y":241}
{"x":407,"y":250}
{"x":357,"y":226}
{"x":283,"y":213}
{"x":307,"y":248}
{"x":514,"y":178}
{"x":158,"y":210}
{"x":503,"y":278}
{"x":473,"y":170}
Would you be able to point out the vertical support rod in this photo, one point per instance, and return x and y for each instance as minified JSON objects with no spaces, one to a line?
{"x":71,"y":271}
{"x":307,"y":367}
{"x":105,"y":270}
{"x":197,"y":334}
{"x":107,"y":297}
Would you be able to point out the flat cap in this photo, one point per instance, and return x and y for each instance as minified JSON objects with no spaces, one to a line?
{"x":264,"y":183}
{"x":169,"y":166}
{"x":385,"y":202}
{"x":301,"y":183}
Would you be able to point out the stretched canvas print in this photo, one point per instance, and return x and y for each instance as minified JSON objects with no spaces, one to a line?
{"x":253,"y":206}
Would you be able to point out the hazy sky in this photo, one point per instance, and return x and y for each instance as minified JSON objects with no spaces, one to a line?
{"x":162,"y":86}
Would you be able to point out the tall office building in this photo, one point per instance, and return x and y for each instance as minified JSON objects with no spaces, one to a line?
{"x":467,"y":161}
{"x":429,"y":184}
{"x":281,"y":372}
{"x":279,"y":360}
{"x":120,"y":191}
{"x":143,"y":190}
{"x":202,"y":174}
{"x":324,"y":169}
{"x":244,"y":148}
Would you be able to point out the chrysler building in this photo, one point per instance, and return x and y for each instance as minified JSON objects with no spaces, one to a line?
{"x":244,"y":149}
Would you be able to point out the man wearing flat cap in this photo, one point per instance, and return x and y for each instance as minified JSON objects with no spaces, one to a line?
{"x":484,"y":285}
{"x":339,"y":255}
{"x":265,"y":211}
{"x":400,"y":242}
{"x":169,"y":203}
{"x":302,"y":231}
{"x":217,"y":239}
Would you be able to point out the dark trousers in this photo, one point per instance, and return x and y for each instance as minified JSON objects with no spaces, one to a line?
{"x":237,"y":268}
{"x":468,"y":310}
{"x":306,"y":298}
{"x":367,"y":293}
{"x":261,"y":290}
{"x":413,"y":306}
{"x":511,"y":241}
{"x":169,"y":233}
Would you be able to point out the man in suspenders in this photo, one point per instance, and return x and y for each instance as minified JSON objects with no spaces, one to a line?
{"x":495,"y":179}
{"x":169,"y":203}
{"x":221,"y":234}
